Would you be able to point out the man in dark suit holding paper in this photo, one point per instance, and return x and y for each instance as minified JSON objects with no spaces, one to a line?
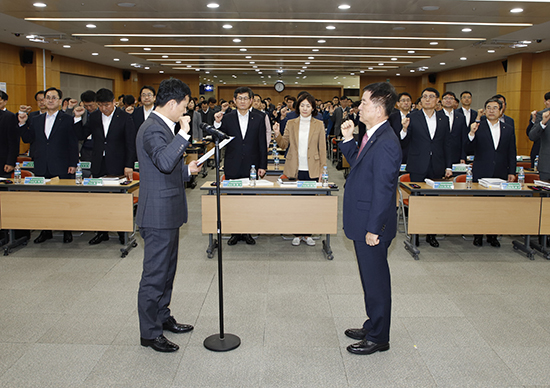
{"x":369,"y":211}
{"x":162,"y":209}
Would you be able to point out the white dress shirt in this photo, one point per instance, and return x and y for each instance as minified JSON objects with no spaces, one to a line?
{"x":243,"y":122}
{"x":146,"y":112}
{"x":467,"y":114}
{"x":495,"y":133}
{"x":50,"y":120}
{"x":432,"y":123}
{"x":451,"y":117}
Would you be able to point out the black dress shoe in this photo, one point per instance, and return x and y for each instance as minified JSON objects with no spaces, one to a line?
{"x":67,"y":237}
{"x":367,"y":347}
{"x":493,"y":241}
{"x":430,"y":239}
{"x":44,"y":235}
{"x":98,"y":238}
{"x":234,"y":239}
{"x":478,"y":240}
{"x":160,"y":344}
{"x":358,"y":334}
{"x":121,"y":237}
{"x":174,"y":327}
{"x":248,"y":239}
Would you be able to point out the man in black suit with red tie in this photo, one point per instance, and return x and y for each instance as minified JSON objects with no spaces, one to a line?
{"x":53,"y":140}
{"x":114,"y":142}
{"x":369,"y":211}
{"x":249,"y":146}
{"x":426,"y":133}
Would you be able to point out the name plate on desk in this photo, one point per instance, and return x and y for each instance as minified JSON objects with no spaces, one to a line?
{"x":232,"y":184}
{"x":31,"y":180}
{"x":27,"y":164}
{"x":443,"y":185}
{"x":460,"y":167}
{"x":92,"y":182}
{"x":519,"y":158}
{"x":403,"y":167}
{"x":306,"y":184}
{"x":510,"y":186}
{"x":136,"y":165}
{"x":86,"y":165}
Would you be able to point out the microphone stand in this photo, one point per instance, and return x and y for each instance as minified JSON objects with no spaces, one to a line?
{"x":221,"y":342}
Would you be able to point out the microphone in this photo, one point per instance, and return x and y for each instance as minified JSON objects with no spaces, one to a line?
{"x":213,"y":131}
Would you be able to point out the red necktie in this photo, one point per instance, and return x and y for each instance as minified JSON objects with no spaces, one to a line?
{"x":363,"y":144}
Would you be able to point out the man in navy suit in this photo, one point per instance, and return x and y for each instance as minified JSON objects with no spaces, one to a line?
{"x":9,"y":142}
{"x":369,"y":211}
{"x":404,"y":104}
{"x":249,"y":146}
{"x":457,"y":125}
{"x":493,"y":143}
{"x":426,"y":133}
{"x":141,"y":113}
{"x":162,"y":209}
{"x":503,"y":118}
{"x":114,"y":143}
{"x":469,"y":114}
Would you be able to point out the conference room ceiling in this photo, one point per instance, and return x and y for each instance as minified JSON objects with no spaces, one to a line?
{"x":371,"y":37}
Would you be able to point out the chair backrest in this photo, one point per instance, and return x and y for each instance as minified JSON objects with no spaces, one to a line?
{"x":523,"y":164}
{"x":135,"y":176}
{"x":405,"y":178}
{"x":22,"y":159}
{"x":530,"y":178}
{"x":460,"y":178}
{"x":24,"y":174}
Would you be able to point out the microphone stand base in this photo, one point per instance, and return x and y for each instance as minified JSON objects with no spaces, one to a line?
{"x":218,"y":344}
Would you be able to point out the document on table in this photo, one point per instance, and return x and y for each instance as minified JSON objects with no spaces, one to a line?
{"x":211,"y":152}
{"x":259,"y":182}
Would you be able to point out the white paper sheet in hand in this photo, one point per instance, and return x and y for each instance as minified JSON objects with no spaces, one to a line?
{"x":205,"y":157}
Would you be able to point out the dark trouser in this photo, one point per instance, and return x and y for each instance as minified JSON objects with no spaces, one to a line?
{"x":544,"y":176}
{"x":155,"y":289}
{"x":375,"y":277}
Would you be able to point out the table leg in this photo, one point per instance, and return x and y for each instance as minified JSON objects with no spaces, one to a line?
{"x":129,"y":243}
{"x":525,"y":247}
{"x":14,"y":242}
{"x":410,"y":246}
{"x":542,"y":248}
{"x":212,"y":245}
{"x":327,"y":251}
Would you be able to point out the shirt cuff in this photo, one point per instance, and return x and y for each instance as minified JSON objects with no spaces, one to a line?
{"x":471,"y":137}
{"x":345,"y":141}
{"x":77,"y":119}
{"x":403,"y":134}
{"x":217,"y":125}
{"x":543,"y":126}
{"x":186,"y":136}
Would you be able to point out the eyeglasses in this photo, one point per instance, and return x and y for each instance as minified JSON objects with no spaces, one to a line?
{"x":242,"y":98}
{"x":447,"y":98}
{"x":147,"y":95}
{"x":492,"y":108}
{"x":429,"y":97}
{"x":52,"y":98}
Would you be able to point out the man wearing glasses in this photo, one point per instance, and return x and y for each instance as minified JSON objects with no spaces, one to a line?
{"x":249,"y":146}
{"x":426,"y":133}
{"x":457,"y":126}
{"x":114,"y":143}
{"x":53,"y":139}
{"x":148,"y":97}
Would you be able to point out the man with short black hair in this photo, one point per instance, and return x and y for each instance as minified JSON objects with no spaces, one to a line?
{"x":470,"y":115}
{"x":3,"y":100}
{"x":506,"y":119}
{"x":141,"y":113}
{"x":457,"y":127}
{"x":162,"y":210}
{"x":540,"y":132}
{"x":207,"y":114}
{"x":404,"y":104}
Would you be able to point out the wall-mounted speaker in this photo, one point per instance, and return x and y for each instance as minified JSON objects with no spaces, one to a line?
{"x":27,"y":57}
{"x":126,"y":74}
{"x":432,"y":78}
{"x":505,"y":65}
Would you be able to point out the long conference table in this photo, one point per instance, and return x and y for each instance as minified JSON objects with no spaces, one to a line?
{"x":274,"y":209}
{"x":478,"y":210}
{"x":63,"y":205}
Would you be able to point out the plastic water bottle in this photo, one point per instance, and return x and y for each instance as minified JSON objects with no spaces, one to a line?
{"x":276,"y":159}
{"x":324,"y":177}
{"x":469,"y":178}
{"x":17,"y":173}
{"x":521,"y":176}
{"x":536,"y":164}
{"x":253,"y":176}
{"x":78,"y":175}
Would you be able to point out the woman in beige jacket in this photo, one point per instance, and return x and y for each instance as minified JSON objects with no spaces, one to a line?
{"x":307,"y":153}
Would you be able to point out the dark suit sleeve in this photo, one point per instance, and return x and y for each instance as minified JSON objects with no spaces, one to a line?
{"x":73,"y":141}
{"x":165,"y":153}
{"x":512,"y":160}
{"x":536,"y":131}
{"x":27,"y":132}
{"x":350,"y":150}
{"x":83,"y":130}
{"x":448,"y":144}
{"x":12,"y":128}
{"x":130,"y":136}
{"x":262,"y":144}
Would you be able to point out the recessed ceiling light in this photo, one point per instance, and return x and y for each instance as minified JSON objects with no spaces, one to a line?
{"x":165,"y":56}
{"x":516,"y":10}
{"x":40,"y":5}
{"x":178,"y":61}
{"x":370,"y":68}
{"x":197,"y":69}
{"x":344,"y":6}
{"x":430,"y":8}
{"x":126,"y":5}
{"x":330,"y":27}
{"x":315,"y":50}
{"x":254,"y":67}
{"x":213,"y":5}
{"x":411,"y":52}
{"x":304,"y":67}
{"x":307,"y":63}
{"x":412,"y":71}
{"x":491,"y":51}
{"x":394,"y":59}
{"x":66,"y":46}
{"x":398,"y":74}
{"x":362,"y":71}
{"x":90,"y":25}
{"x":124,"y":39}
{"x":398,"y":28}
{"x":207,"y":72}
{"x":463,"y":58}
{"x":310,"y":57}
{"x":442,"y":63}
{"x":248,"y":57}
{"x":161,"y":72}
{"x":381,"y":64}
{"x":466,"y":30}
{"x":227,"y":26}
{"x":321,"y":41}
{"x":252,"y":62}
{"x":237,"y":40}
{"x":188,"y":65}
{"x":434,"y":43}
{"x":243,"y":49}
{"x":351,"y":73}
{"x":116,"y":59}
{"x":147,"y":48}
{"x":95,"y":53}
{"x":147,"y":67}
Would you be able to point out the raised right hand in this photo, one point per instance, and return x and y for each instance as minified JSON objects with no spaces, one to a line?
{"x":218,"y":116}
{"x":347,"y":129}
{"x":405,"y":123}
{"x":276,"y":129}
{"x":22,"y":117}
{"x":473,"y":128}
{"x":545,"y":117}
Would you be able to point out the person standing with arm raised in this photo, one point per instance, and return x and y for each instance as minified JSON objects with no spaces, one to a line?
{"x":162,"y":209}
{"x":369,"y":211}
